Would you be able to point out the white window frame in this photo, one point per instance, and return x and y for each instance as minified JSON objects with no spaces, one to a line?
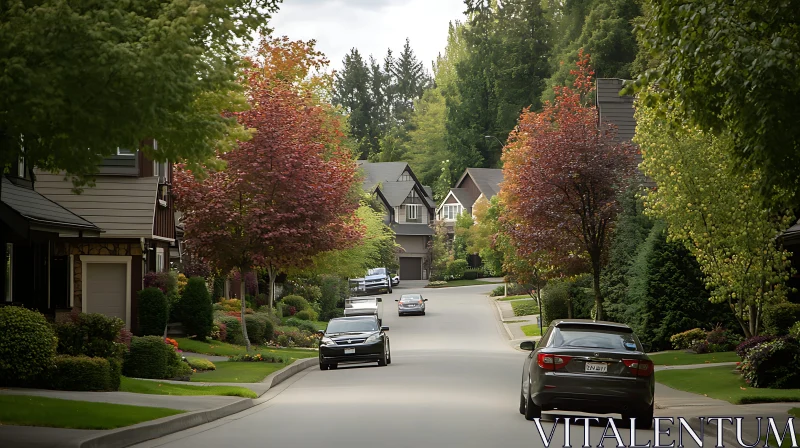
{"x":455,"y":209}
{"x":8,"y":294}
{"x":412,"y":212}
{"x":96,"y":259}
{"x":159,"y":259}
{"x":405,"y":177}
{"x":125,"y":152}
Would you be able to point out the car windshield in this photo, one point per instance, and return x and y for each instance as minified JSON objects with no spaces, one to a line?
{"x":351,"y":325}
{"x":411,"y":298}
{"x":594,"y":339}
{"x":377,"y":271}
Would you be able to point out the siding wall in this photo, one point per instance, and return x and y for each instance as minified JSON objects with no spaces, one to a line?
{"x":413,"y":244}
{"x":120,"y":206}
{"x":470,"y":186}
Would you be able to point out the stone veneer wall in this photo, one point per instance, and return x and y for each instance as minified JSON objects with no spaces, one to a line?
{"x":78,"y":249}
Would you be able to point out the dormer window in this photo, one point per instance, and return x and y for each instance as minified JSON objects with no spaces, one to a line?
{"x":405,"y":177}
{"x":125,"y":152}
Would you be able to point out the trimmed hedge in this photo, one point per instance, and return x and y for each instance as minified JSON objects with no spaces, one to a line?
{"x":92,"y":335}
{"x":555,"y":302}
{"x":301,"y":324}
{"x":773,"y":364}
{"x":308,"y":314}
{"x":298,"y":302}
{"x":148,"y":357}
{"x":27,"y":345}
{"x":153,"y":312}
{"x":259,"y":328}
{"x":233,"y":329}
{"x":197,"y":312}
{"x":779,"y":318}
{"x":82,"y":373}
{"x":455,"y":269}
{"x":688,"y":339}
{"x":473,"y":273}
{"x":201,"y":364}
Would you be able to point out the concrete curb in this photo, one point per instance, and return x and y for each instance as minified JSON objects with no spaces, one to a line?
{"x":500,"y":318}
{"x":131,"y":435}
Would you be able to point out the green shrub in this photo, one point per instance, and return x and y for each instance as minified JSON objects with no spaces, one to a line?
{"x":197,"y":313}
{"x":177,"y":368}
{"x":255,"y":328}
{"x":688,"y":339}
{"x":306,"y":315}
{"x":455,"y":269}
{"x":233,"y":329}
{"x":297,"y":302}
{"x":334,"y":290}
{"x":779,"y":318}
{"x":153,"y":312}
{"x":201,"y":364}
{"x":498,"y":291}
{"x":27,"y":345}
{"x":525,"y":307}
{"x":555,"y":302}
{"x":472,"y":273}
{"x":82,"y":373}
{"x":773,"y":364}
{"x":92,"y":335}
{"x":301,"y":324}
{"x":795,"y":330}
{"x":149,"y":357}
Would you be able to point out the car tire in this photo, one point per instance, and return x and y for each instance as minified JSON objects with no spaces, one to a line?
{"x":531,"y":410}
{"x":389,"y":355}
{"x":323,"y":366}
{"x":333,"y":366}
{"x":390,"y":289}
{"x":521,"y":403}
{"x":644,"y":420}
{"x":382,"y":360}
{"x":423,"y":313}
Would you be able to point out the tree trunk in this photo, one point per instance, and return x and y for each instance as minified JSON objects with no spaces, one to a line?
{"x":271,"y":272}
{"x":598,"y":299}
{"x":244,"y":322}
{"x":753,"y":319}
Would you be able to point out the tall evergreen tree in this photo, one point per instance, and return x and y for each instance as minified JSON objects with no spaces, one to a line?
{"x":352,"y":90}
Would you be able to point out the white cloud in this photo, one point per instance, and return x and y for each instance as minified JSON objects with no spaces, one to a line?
{"x":372,"y":26}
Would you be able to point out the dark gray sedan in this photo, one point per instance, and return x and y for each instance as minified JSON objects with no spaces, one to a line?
{"x":354,"y":340}
{"x":410,"y":304}
{"x":588,"y":366}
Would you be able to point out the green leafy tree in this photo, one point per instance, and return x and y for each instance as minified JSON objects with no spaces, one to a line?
{"x":107,"y":75}
{"x":484,"y":234}
{"x":463,"y":236}
{"x":715,"y":212}
{"x":731,"y":67}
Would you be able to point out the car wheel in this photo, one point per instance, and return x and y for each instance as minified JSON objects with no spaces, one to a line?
{"x":531,"y":410}
{"x":389,"y":355}
{"x":521,"y":403}
{"x":644,"y":420}
{"x":382,"y":360}
{"x":390,"y":289}
{"x":423,"y":313}
{"x":323,"y":366}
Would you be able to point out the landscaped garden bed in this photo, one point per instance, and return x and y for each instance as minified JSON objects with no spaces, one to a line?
{"x":238,"y":372}
{"x":216,"y":348}
{"x":25,"y":410}
{"x":723,"y":383}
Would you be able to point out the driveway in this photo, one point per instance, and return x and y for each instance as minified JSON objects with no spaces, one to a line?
{"x":453,"y":382}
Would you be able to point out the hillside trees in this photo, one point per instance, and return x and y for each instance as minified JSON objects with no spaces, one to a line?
{"x":287,"y":194}
{"x":562,"y":179}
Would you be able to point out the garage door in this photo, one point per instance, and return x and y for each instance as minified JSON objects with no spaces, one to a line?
{"x":106,"y":287}
{"x":411,"y":268}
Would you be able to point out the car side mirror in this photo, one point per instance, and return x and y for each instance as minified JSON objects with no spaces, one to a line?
{"x":424,"y":300}
{"x":379,"y":299}
{"x":527,"y":345}
{"x":384,"y":328}
{"x":646,"y":347}
{"x":396,"y":300}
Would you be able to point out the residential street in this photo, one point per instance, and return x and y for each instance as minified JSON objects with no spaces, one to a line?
{"x":453,"y":381}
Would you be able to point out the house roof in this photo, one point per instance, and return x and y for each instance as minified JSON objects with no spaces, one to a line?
{"x":487,"y":179}
{"x":412,"y":229}
{"x":37,"y":209}
{"x":428,"y":190}
{"x":791,"y":236}
{"x":376,"y":173}
{"x":396,"y":192}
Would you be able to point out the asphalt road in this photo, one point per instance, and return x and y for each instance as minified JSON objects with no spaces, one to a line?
{"x":453,"y":382}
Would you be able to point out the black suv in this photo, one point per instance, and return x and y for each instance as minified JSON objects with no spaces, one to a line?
{"x":354,"y":340}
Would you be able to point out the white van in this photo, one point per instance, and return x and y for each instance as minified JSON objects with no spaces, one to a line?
{"x":364,"y":306}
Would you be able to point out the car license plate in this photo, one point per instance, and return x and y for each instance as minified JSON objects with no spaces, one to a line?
{"x":599,"y":367}
{"x":349,"y":351}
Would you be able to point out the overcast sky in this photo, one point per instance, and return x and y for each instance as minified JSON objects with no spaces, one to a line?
{"x":372,"y":26}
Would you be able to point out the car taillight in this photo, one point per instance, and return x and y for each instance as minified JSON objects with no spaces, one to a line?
{"x":550,"y":361}
{"x":639,"y":367}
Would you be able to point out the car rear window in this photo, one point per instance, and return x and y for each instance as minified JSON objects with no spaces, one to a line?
{"x":354,"y":325}
{"x":594,"y":339}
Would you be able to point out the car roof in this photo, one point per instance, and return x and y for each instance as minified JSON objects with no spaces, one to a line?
{"x":591,"y":324}
{"x":410,"y":295}
{"x":354,"y":318}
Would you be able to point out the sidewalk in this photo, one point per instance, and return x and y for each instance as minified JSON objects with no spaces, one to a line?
{"x":200,"y":410}
{"x":514,"y":323}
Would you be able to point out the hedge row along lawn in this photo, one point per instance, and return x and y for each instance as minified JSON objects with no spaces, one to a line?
{"x":217,"y":348}
{"x":525,"y":307}
{"x":681,"y":358}
{"x":452,"y":283}
{"x":723,"y":383}
{"x":519,"y":297}
{"x":531,"y":330}
{"x":138,"y":386}
{"x":237,"y":372}
{"x":25,"y":410}
{"x":318,"y":324}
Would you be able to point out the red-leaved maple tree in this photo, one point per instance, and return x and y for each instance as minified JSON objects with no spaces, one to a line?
{"x":562,"y":177}
{"x":287,"y":194}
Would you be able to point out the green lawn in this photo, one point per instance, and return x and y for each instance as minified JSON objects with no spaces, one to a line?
{"x":681,"y":358}
{"x":787,"y":441}
{"x":25,"y":410}
{"x":522,"y":296}
{"x":525,"y":307}
{"x":238,"y":372}
{"x":531,"y":330}
{"x":224,"y":349}
{"x":154,"y":387}
{"x":723,"y":383}
{"x":452,"y":283}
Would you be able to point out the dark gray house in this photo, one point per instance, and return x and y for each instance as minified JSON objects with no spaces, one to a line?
{"x":474,"y":186}
{"x":409,"y":211}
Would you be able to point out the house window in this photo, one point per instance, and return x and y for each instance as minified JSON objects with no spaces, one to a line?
{"x":405,"y":177}
{"x":412,"y":212}
{"x":451,"y":211}
{"x":125,"y":152}
{"x":160,"y":170}
{"x":159,"y":259}
{"x":9,"y":271}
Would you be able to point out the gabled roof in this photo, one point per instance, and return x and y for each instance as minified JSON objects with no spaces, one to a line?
{"x":376,"y":173}
{"x":396,"y":192}
{"x":487,"y":179}
{"x":40,"y":211}
{"x":462,"y":196}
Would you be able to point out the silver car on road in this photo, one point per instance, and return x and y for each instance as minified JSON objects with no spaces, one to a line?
{"x":410,"y":304}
